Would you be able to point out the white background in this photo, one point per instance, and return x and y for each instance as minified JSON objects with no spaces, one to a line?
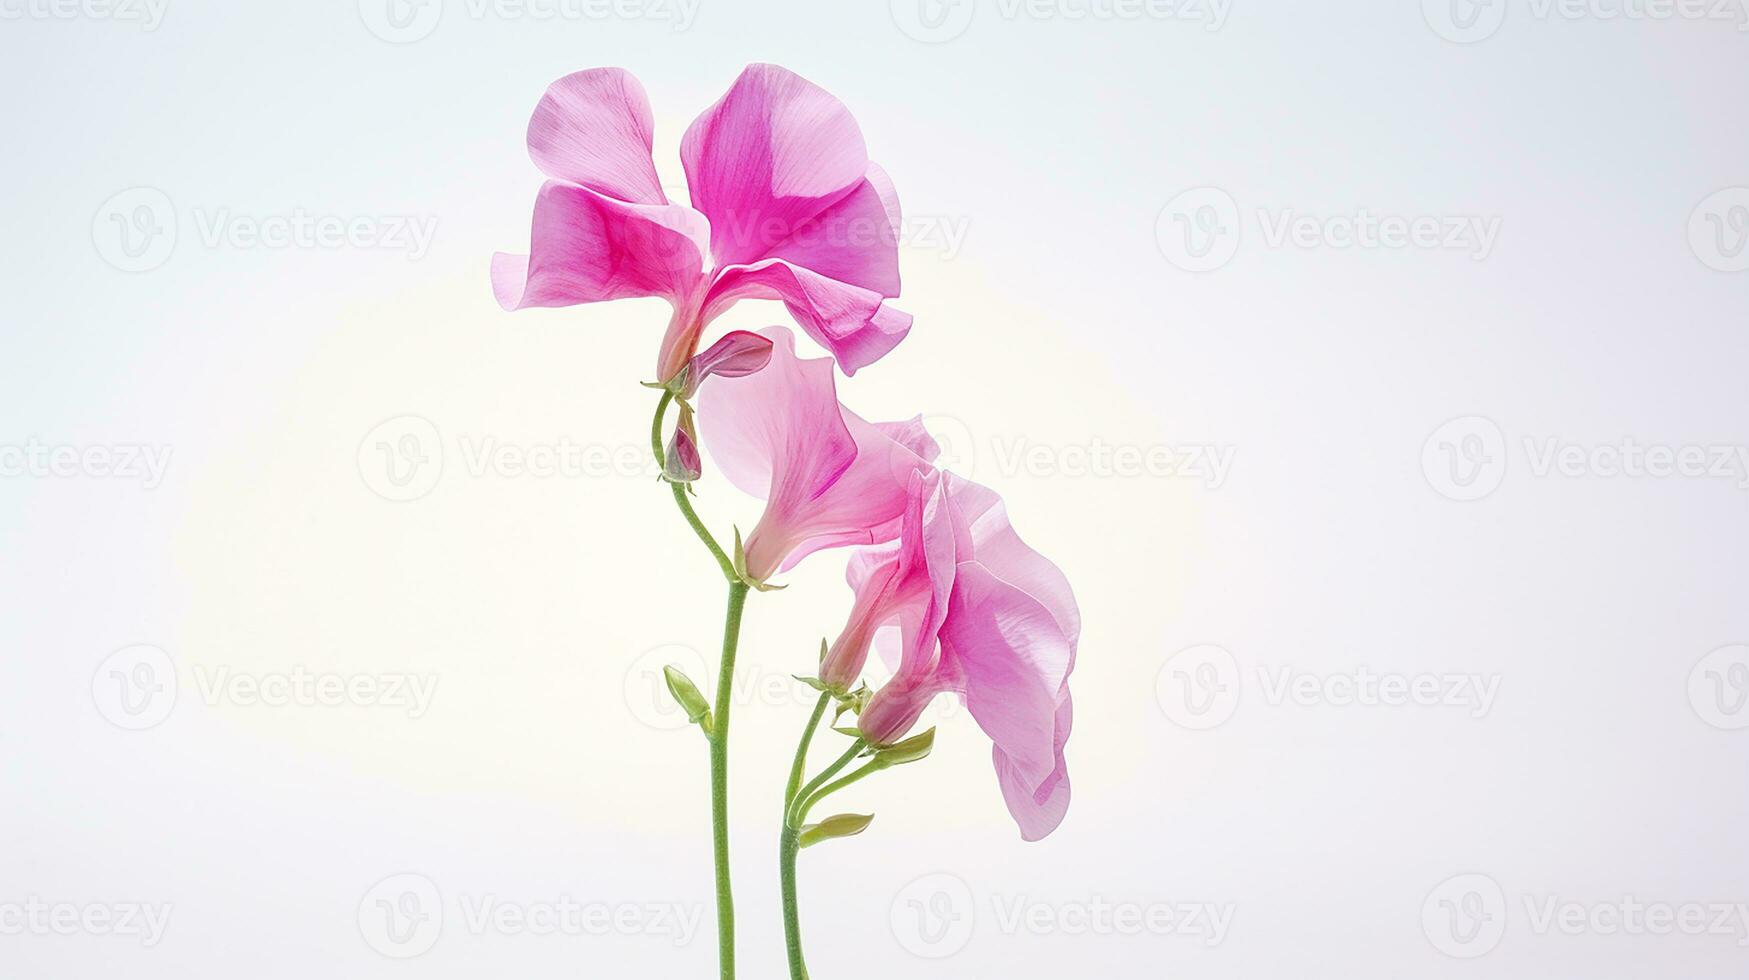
{"x":1060,"y":322}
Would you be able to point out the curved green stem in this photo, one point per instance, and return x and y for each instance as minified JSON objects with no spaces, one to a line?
{"x":789,"y":845}
{"x":680,"y":500}
{"x":802,"y":807}
{"x":791,"y":817}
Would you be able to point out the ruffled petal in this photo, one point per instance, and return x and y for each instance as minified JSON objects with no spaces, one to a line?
{"x":778,"y":433}
{"x":855,"y":240}
{"x":851,"y":322}
{"x":1038,"y":810}
{"x":586,"y":247}
{"x":594,"y":128}
{"x":775,"y":151}
{"x":1008,"y":657}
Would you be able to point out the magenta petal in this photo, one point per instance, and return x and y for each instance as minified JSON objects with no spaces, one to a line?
{"x":738,"y":354}
{"x":586,"y":247}
{"x":853,"y":323}
{"x":773,"y":152}
{"x":854,"y":241}
{"x":594,"y":128}
{"x":778,"y":433}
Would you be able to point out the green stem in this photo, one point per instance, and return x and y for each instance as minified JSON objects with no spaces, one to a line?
{"x":807,"y":803}
{"x":790,"y":816}
{"x":680,"y":500}
{"x":789,"y":845}
{"x":719,"y":734}
{"x":719,"y":742}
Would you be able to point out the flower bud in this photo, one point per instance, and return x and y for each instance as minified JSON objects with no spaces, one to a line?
{"x":680,"y":461}
{"x":738,"y":354}
{"x":840,"y":825}
{"x":688,"y":696}
{"x":890,"y":713}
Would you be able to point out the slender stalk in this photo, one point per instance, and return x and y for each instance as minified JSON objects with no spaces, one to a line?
{"x":719,"y":742}
{"x":789,"y":845}
{"x":802,"y":807}
{"x":719,"y":733}
{"x":680,"y":500}
{"x":791,"y":817}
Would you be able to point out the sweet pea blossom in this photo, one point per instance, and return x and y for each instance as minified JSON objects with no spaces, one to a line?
{"x":785,"y":205}
{"x":828,"y":477}
{"x":983,"y":616}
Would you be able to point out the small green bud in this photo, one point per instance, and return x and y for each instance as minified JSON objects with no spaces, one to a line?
{"x":841,"y":825}
{"x":688,"y":696}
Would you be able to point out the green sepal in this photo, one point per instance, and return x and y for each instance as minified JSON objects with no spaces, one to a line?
{"x":831,"y":828}
{"x":914,"y":749}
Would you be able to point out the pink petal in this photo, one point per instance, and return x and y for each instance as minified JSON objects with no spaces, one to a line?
{"x":780,"y":433}
{"x":738,"y":354}
{"x":853,"y":323}
{"x":828,"y":477}
{"x":1038,"y":810}
{"x":995,"y":544}
{"x":1010,"y":658}
{"x":594,"y":128}
{"x":586,"y":247}
{"x":855,"y":241}
{"x":773,"y":152}
{"x":912,"y":576}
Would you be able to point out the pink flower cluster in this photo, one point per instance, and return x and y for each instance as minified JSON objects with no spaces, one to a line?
{"x":786,"y":205}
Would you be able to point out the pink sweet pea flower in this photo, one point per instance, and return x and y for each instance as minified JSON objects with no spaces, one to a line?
{"x":785,"y":206}
{"x":1003,"y":639}
{"x":828,"y":477}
